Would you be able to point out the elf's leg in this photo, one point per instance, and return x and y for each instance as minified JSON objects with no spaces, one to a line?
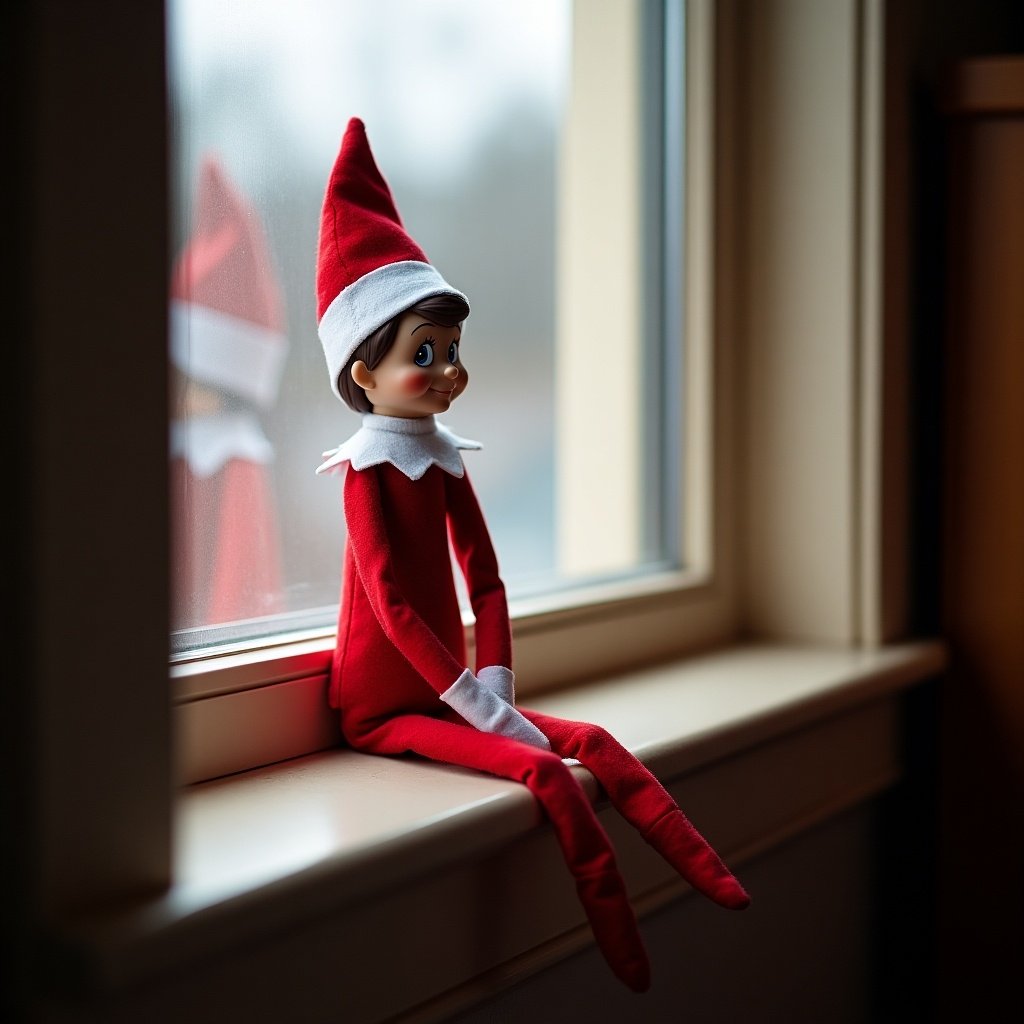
{"x":644,"y":802}
{"x":585,"y":845}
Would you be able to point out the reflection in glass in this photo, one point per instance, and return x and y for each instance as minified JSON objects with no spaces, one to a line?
{"x":227,"y":352}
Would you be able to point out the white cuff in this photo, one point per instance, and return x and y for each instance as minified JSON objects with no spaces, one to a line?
{"x":500,"y":680}
{"x":489,"y":713}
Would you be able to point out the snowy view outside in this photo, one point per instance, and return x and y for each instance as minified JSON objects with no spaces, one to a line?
{"x":462,"y":100}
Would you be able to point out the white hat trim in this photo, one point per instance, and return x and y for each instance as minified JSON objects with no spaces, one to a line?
{"x":370,"y":302}
{"x":227,"y":351}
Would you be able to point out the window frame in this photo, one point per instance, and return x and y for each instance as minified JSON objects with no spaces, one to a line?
{"x":88,"y":656}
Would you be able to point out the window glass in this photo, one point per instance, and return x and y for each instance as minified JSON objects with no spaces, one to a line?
{"x":465,"y":103}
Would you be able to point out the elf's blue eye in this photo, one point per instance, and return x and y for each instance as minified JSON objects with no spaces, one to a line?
{"x":453,"y":353}
{"x":424,"y":356}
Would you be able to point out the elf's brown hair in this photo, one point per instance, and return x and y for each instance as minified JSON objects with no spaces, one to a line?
{"x":444,"y":310}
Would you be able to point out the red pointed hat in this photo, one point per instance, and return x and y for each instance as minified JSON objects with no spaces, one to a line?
{"x":368,"y":268}
{"x":227,"y":327}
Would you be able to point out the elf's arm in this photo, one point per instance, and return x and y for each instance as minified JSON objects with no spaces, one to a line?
{"x":403,"y":626}
{"x":475,"y":553}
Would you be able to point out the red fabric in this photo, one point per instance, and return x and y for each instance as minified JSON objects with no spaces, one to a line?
{"x":226,"y":265}
{"x":645,"y":804}
{"x":360,"y":229}
{"x":399,"y":618}
{"x":225,"y":558}
{"x":584,"y":843}
{"x":400,"y":644}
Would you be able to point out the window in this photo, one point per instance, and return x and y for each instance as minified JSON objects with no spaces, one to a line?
{"x":536,"y":152}
{"x":94,"y":658}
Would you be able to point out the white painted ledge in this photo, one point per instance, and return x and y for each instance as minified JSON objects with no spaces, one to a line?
{"x":336,"y":849}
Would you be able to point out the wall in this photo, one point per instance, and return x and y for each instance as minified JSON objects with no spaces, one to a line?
{"x":963,"y":507}
{"x":983,"y":536}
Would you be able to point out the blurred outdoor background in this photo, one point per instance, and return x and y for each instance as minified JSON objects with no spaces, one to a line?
{"x":462,"y":100}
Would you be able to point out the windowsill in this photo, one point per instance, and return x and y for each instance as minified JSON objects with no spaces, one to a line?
{"x":291,"y":848}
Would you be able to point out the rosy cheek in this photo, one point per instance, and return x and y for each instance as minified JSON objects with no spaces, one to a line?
{"x":415,"y":382}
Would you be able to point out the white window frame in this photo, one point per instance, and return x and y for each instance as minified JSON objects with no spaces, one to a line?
{"x":276,"y":687}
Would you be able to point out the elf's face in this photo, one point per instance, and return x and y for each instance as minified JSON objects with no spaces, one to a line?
{"x":421,"y":375}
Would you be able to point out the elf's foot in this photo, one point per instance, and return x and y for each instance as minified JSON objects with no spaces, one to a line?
{"x":689,"y":853}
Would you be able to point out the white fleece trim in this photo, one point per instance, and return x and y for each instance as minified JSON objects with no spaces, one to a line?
{"x":487,"y":712}
{"x":370,"y":302}
{"x":499,"y":679}
{"x":208,"y":443}
{"x":411,"y":445}
{"x":227,"y":351}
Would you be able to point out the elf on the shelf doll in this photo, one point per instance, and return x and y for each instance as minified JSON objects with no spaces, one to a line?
{"x":391,"y":329}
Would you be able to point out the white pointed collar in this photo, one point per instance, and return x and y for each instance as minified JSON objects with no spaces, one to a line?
{"x":410,"y":445}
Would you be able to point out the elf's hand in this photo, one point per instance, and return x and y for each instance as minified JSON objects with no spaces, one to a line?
{"x":488,"y":712}
{"x":499,"y":680}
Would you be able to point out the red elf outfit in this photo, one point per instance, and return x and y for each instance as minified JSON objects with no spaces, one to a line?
{"x":400,"y":677}
{"x":228,"y":345}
